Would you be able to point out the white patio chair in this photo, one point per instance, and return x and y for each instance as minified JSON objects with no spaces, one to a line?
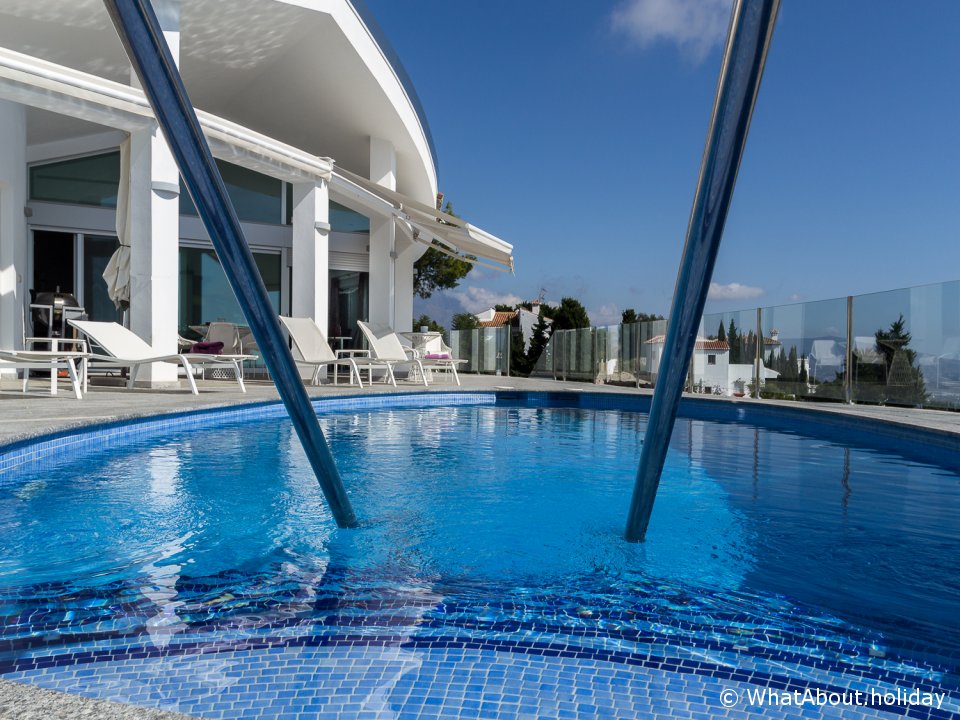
{"x":385,"y":345}
{"x":312,"y":349}
{"x":52,"y":360}
{"x":122,"y":348}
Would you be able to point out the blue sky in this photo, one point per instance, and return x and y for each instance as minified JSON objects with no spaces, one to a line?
{"x":574,"y":130}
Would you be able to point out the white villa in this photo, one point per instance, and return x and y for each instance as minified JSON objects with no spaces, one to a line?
{"x":318,"y":133}
{"x":521,"y":319}
{"x":712,"y":370}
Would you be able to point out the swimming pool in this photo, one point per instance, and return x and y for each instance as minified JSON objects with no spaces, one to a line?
{"x":193,"y":565}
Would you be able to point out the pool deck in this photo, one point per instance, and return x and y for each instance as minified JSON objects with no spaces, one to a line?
{"x":38,"y":413}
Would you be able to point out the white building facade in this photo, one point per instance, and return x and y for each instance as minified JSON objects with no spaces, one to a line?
{"x":318,"y":133}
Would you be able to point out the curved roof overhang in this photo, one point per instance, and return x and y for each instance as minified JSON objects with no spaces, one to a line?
{"x":310,"y":74}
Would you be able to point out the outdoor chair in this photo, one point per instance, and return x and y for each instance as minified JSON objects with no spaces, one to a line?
{"x":312,"y":349}
{"x":385,"y":346}
{"x":123,"y":348}
{"x":52,"y":360}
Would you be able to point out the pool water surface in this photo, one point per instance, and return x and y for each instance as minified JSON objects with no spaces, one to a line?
{"x":201,"y":571}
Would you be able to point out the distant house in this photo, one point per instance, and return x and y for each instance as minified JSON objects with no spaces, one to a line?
{"x":712,"y":370}
{"x":521,"y":320}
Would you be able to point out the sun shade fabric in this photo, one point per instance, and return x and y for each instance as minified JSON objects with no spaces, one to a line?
{"x":426,"y":224}
{"x":117,"y":272}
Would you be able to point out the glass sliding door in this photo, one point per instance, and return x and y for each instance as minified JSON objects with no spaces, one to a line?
{"x":97,"y":251}
{"x":349,"y":302}
{"x":53,"y":262}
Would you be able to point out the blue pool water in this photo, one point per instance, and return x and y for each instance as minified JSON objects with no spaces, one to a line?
{"x":200,"y":571}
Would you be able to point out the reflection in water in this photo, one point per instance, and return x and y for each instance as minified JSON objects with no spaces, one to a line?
{"x":496,"y":513}
{"x":163,"y":473}
{"x":845,"y":481}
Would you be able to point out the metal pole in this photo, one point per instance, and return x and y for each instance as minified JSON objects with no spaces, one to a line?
{"x":748,"y":40}
{"x":758,"y":355}
{"x":848,"y":375}
{"x":142,"y":38}
{"x":509,"y":348}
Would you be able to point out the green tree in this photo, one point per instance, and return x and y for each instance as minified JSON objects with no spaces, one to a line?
{"x":802,"y":377}
{"x":435,"y":270}
{"x":465,"y":321}
{"x":501,"y":307}
{"x":904,"y":382}
{"x":733,"y":339}
{"x":520,"y":364}
{"x":541,"y":335}
{"x":721,"y":332}
{"x":632,"y":316}
{"x":431,"y":324}
{"x":570,"y":315}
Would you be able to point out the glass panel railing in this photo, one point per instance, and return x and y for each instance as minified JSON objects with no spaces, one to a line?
{"x":907,"y":346}
{"x":785,"y":361}
{"x":902,"y":348}
{"x":486,"y":350}
{"x":724,"y":358}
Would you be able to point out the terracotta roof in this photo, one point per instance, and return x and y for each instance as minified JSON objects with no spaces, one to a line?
{"x":499,"y":319}
{"x":702,"y":343}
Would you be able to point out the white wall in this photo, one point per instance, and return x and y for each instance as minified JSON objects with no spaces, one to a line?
{"x":13,"y":227}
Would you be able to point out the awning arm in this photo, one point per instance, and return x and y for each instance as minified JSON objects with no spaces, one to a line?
{"x":415,"y":232}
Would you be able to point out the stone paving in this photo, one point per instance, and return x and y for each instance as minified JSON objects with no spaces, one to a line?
{"x":39,"y":413}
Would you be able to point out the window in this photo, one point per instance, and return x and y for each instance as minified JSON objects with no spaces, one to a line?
{"x":343,"y":219}
{"x":256,"y":197}
{"x":89,"y":180}
{"x":206,"y":295}
{"x":711,"y":359}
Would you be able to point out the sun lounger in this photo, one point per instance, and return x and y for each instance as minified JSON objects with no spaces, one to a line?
{"x":122,"y":348}
{"x":385,"y":346}
{"x":27,"y":360}
{"x":312,"y":349}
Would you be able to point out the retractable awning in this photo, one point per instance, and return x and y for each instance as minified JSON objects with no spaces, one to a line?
{"x":422,"y":223}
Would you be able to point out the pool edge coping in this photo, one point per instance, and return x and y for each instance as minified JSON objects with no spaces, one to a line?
{"x":41,"y":444}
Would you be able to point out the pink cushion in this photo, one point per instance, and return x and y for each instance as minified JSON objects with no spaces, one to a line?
{"x":437,"y":356}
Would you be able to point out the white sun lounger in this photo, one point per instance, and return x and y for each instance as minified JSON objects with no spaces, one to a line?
{"x":122,"y":348}
{"x":53,"y":360}
{"x":385,"y":346}
{"x":312,"y":349}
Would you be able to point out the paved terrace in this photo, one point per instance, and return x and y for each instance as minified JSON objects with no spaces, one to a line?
{"x":38,"y":413}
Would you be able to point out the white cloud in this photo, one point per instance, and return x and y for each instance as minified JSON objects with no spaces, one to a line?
{"x":608,"y":314}
{"x":733,"y":291}
{"x":796,"y":297}
{"x":695,"y":26}
{"x":477,"y":299}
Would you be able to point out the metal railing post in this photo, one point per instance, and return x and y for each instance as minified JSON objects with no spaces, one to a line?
{"x":848,"y":375}
{"x":758,"y":355}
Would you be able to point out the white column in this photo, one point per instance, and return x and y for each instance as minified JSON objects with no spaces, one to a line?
{"x":403,"y":283}
{"x":13,"y":225}
{"x":311,"y":252}
{"x":383,"y":238}
{"x":155,"y":229}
